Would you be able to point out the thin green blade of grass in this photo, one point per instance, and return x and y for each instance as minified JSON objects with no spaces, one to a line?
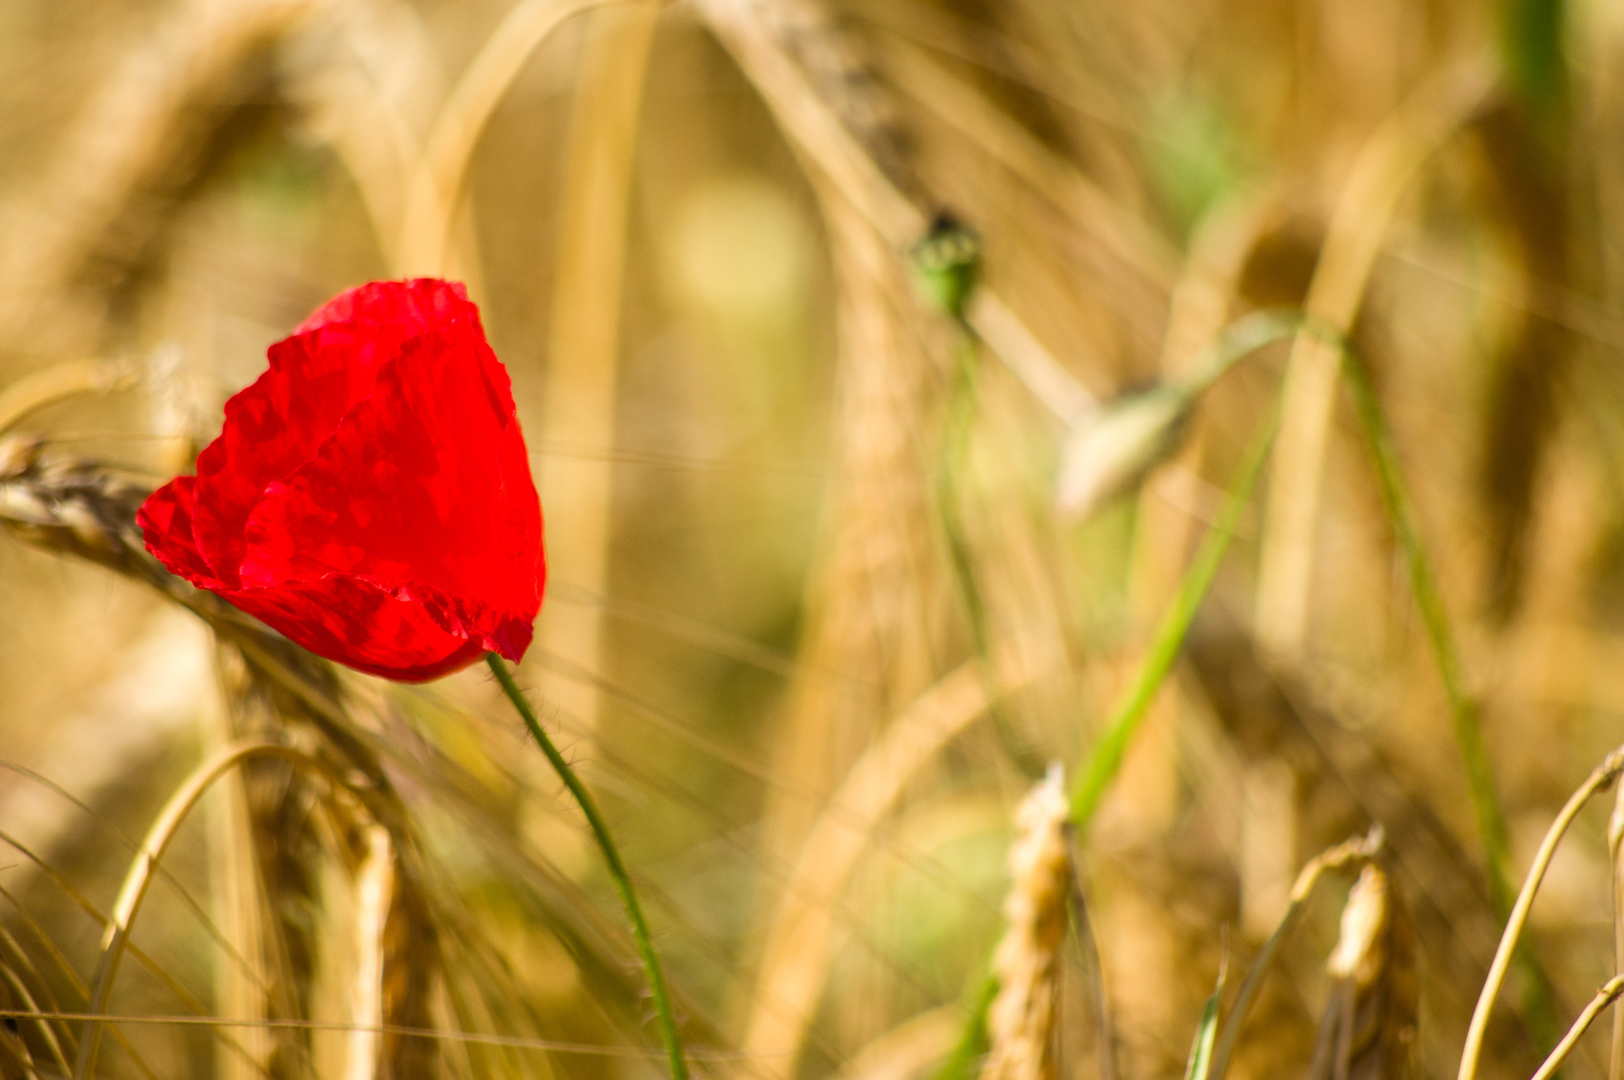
{"x":1100,"y":767}
{"x":1429,"y":602}
{"x":1538,"y":1003}
{"x":1104,"y":759}
{"x":964,"y":1062}
{"x":949,"y":486}
{"x":946,"y":268}
{"x":1206,"y":1034}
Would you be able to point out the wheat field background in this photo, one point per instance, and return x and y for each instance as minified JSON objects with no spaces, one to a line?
{"x":836,"y":579}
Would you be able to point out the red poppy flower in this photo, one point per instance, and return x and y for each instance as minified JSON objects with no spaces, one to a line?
{"x":370,"y":495}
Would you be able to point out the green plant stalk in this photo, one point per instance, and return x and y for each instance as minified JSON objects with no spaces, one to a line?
{"x":1100,"y":766}
{"x":1491,"y":820}
{"x":617,"y":869}
{"x":972,"y":1044}
{"x":961,"y":413}
{"x":961,"y":410}
{"x":1463,"y":709}
{"x":1240,"y":339}
{"x":1199,"y":1066}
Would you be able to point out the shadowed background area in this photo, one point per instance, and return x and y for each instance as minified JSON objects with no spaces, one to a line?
{"x":836,"y":574}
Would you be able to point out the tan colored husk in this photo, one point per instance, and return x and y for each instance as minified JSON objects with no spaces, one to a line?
{"x":1368,"y":1028}
{"x":1020,"y":1023}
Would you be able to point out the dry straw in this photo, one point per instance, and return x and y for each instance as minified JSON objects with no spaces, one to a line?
{"x":852,"y":165}
{"x":436,"y":190}
{"x":1356,"y":851}
{"x":146,"y":123}
{"x":582,"y":364}
{"x":140,"y":875}
{"x":1615,"y":849}
{"x":1599,"y":780}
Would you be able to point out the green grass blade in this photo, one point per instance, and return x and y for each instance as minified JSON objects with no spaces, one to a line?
{"x":1491,"y":821}
{"x":965,"y":1060}
{"x":1206,"y":1034}
{"x":1538,"y":1001}
{"x":1100,"y":767}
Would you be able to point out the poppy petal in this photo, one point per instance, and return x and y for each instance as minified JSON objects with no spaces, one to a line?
{"x":417,"y":306}
{"x":166,"y":525}
{"x":315,"y":377}
{"x":361,"y":626}
{"x":423,"y":491}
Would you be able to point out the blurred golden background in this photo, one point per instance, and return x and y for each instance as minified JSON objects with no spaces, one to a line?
{"x":835,"y":576}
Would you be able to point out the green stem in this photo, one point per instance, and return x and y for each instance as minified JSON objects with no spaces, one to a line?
{"x":964,"y":1061}
{"x":1463,"y":708}
{"x":960,"y":428}
{"x":961,"y":411}
{"x":1100,"y":767}
{"x":617,"y":869}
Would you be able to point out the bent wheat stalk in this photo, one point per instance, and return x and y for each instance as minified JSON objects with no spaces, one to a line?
{"x":1609,"y":993}
{"x":58,"y":381}
{"x":1615,"y":848}
{"x":432,"y":199}
{"x":140,"y":874}
{"x":1599,"y":780}
{"x":794,"y":960}
{"x":1357,"y":851}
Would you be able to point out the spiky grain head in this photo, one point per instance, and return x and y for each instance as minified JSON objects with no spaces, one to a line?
{"x":1021,"y":1019}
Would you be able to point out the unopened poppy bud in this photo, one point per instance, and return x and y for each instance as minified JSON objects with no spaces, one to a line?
{"x":947,"y":264}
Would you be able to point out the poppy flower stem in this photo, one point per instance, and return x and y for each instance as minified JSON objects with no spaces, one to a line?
{"x":611,"y":855}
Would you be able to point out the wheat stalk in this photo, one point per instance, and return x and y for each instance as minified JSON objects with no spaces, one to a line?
{"x":1599,"y":780}
{"x":584,"y":337}
{"x":139,"y":134}
{"x":798,"y":942}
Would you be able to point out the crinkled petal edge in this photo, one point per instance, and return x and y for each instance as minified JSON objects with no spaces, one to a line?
{"x":509,"y":635}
